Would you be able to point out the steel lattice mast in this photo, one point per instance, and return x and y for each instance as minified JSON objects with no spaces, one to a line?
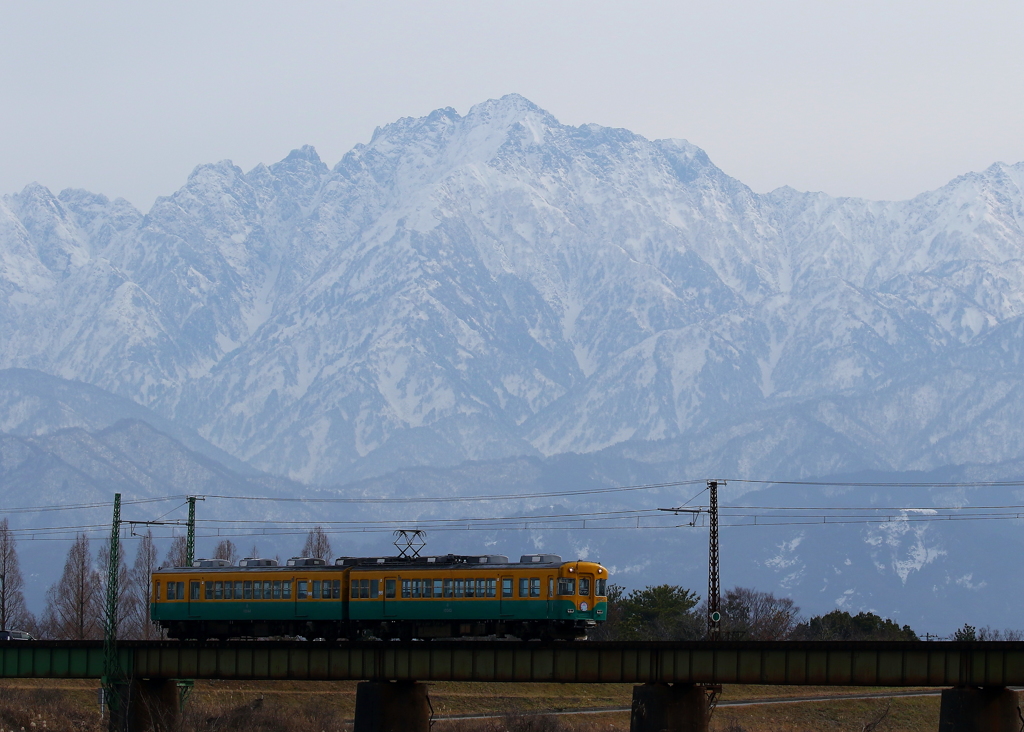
{"x":714,"y":590}
{"x":112,"y":674}
{"x":190,"y":539}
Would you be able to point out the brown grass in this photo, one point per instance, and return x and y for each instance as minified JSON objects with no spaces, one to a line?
{"x":216,"y":706}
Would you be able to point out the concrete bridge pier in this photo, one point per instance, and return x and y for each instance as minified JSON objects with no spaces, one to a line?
{"x":669,"y":707}
{"x":392,"y":706}
{"x":980,"y":709}
{"x":146,"y":705}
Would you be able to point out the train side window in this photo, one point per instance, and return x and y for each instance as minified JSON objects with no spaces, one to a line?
{"x":156,"y":592}
{"x":227,"y":591}
{"x":566,"y":586}
{"x":170,"y":591}
{"x":428,"y":588}
{"x":437,"y":588}
{"x":218,"y":590}
{"x":481,"y":588}
{"x":325,"y":592}
{"x":551,"y":586}
{"x":389,"y":589}
{"x":406,"y":588}
{"x":300,"y":590}
{"x":257,"y":590}
{"x":524,"y":587}
{"x":181,"y":590}
{"x":238,"y":589}
{"x":585,"y":586}
{"x":492,"y":588}
{"x":470,"y":588}
{"x":416,"y":585}
{"x":447,"y":588}
{"x":534,"y":586}
{"x":208,"y":591}
{"x":354,"y":594}
{"x":277,"y":589}
{"x":267,"y":589}
{"x":506,"y":587}
{"x":287,"y":589}
{"x":247,"y":590}
{"x":459,"y":588}
{"x":194,"y":590}
{"x":316,"y":589}
{"x":601,"y":588}
{"x":374,"y":588}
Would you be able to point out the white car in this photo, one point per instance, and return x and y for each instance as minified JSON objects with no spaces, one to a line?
{"x":15,"y":635}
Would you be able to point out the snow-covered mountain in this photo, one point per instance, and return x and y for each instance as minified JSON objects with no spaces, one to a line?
{"x":499,"y":284}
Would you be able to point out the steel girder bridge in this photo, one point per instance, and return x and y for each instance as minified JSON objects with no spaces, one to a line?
{"x":673,"y":678}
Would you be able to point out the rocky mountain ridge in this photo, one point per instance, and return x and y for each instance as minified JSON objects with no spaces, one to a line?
{"x":498,"y":284}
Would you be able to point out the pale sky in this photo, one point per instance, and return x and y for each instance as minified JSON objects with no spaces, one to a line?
{"x":873,"y":99}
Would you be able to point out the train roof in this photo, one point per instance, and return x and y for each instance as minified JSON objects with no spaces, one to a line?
{"x":448,"y":561}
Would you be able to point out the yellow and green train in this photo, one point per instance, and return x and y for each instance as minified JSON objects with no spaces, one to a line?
{"x":540,"y":596}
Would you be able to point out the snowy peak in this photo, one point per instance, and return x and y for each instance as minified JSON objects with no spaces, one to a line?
{"x":494,"y":284}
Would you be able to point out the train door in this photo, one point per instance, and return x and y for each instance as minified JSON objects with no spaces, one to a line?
{"x":193,"y":599}
{"x":507,"y":585}
{"x":302,"y":591}
{"x":585,"y":590}
{"x":390,"y":597}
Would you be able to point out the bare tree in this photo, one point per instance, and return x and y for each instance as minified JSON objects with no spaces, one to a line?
{"x":755,"y":615}
{"x":317,"y":545}
{"x":13,"y":611}
{"x":177,"y":555}
{"x":74,"y":606}
{"x":226,"y":550}
{"x":141,"y":574}
{"x":124,"y":593}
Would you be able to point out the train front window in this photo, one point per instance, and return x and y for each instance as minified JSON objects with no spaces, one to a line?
{"x":566,"y":586}
{"x":584,"y":586}
{"x":600,"y":589}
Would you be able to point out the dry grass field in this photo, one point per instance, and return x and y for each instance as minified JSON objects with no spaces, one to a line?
{"x":220,"y":706}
